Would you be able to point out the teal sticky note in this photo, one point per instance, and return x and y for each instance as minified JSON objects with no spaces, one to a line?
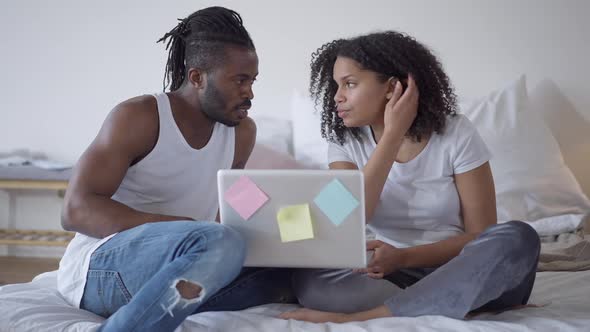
{"x":336,"y":202}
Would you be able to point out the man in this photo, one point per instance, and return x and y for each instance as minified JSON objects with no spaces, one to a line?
{"x":139,"y":258}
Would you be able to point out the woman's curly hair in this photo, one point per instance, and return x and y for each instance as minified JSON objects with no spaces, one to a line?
{"x":388,"y":54}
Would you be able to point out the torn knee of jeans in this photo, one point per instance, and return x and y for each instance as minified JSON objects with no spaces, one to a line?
{"x":187,"y":289}
{"x":184,"y":293}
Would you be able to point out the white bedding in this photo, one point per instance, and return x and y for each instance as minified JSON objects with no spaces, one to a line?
{"x":36,"y":306}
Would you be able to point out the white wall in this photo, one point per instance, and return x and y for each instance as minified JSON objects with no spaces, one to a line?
{"x":66,"y":63}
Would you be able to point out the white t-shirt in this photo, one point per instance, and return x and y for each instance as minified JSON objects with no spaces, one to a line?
{"x":420,"y":203}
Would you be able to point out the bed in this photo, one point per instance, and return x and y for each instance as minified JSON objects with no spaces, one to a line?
{"x":533,"y":184}
{"x":37,"y":306}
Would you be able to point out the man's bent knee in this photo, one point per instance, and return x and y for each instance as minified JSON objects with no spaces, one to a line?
{"x":188,"y":290}
{"x":232,"y":247}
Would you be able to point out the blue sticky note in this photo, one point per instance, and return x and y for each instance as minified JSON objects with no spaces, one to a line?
{"x":336,"y":202}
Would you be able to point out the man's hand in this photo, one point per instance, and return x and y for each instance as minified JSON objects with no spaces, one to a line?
{"x":386,"y":260}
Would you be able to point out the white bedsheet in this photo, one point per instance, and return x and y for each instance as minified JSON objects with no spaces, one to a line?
{"x":36,"y":306}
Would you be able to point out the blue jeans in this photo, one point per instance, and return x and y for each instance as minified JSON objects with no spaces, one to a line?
{"x":133,"y":276}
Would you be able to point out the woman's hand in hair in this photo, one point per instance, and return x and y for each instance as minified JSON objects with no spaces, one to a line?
{"x":402,"y":107}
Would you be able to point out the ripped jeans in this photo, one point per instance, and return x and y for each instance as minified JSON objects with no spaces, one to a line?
{"x":133,"y":276}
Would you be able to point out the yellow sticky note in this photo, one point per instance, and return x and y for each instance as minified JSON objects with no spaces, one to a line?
{"x":295,"y":223}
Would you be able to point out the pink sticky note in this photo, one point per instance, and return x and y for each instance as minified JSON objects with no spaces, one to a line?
{"x":245,"y":197}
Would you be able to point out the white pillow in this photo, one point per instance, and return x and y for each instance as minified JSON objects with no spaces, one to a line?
{"x":266,"y":157}
{"x":275,"y":133}
{"x":570,"y":129}
{"x":532,"y":181}
{"x":308,"y":145}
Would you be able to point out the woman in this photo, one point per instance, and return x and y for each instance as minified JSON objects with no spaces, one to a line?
{"x":390,"y":111}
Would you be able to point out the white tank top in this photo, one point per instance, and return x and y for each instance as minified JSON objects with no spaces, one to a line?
{"x":176,"y":179}
{"x":173,"y":179}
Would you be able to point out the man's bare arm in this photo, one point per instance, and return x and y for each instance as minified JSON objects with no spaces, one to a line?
{"x":245,"y":140}
{"x":128,"y":134}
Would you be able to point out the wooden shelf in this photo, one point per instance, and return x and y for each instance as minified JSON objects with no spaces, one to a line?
{"x":14,"y":236}
{"x":33,"y":184}
{"x":35,"y":237}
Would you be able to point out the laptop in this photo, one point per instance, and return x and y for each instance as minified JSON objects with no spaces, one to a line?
{"x":296,"y":218}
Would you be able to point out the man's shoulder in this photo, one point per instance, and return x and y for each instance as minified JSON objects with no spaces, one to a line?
{"x":140,"y":106}
{"x":246,"y":131}
{"x":133,"y":122}
{"x":139,"y":112}
{"x":245,"y":140}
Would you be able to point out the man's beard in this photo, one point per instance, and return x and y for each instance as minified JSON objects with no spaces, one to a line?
{"x":214,"y":106}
